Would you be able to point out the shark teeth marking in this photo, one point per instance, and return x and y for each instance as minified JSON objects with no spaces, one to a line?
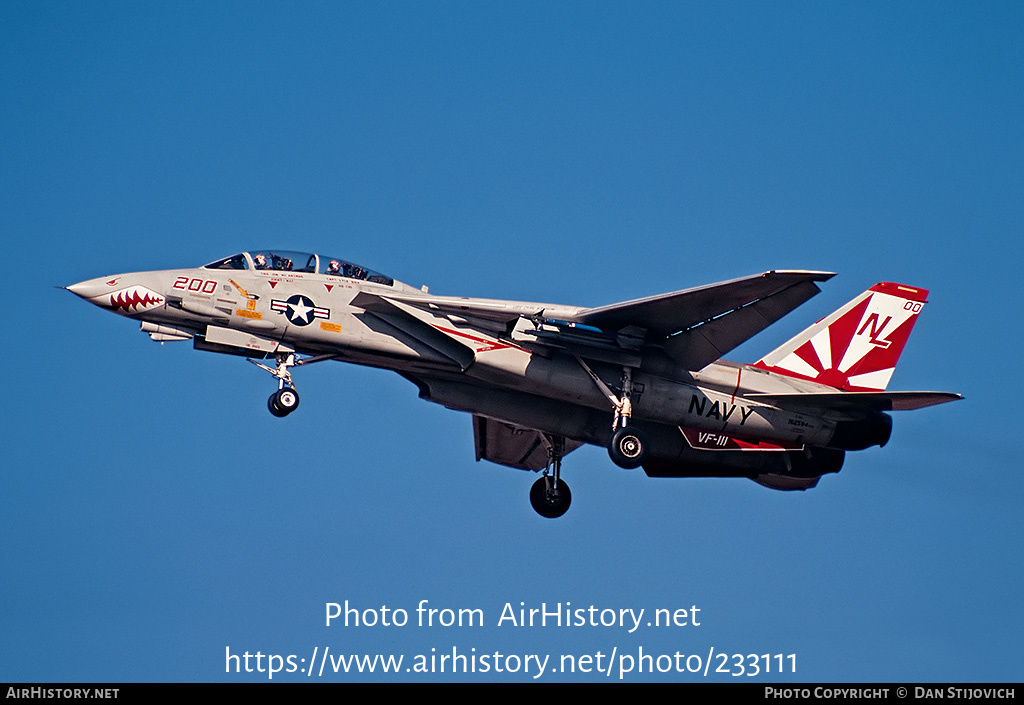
{"x":134,"y":299}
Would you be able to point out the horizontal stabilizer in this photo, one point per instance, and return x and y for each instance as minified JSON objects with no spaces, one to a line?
{"x":858,"y":401}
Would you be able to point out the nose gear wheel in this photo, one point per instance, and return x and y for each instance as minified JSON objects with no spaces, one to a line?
{"x":283,"y":402}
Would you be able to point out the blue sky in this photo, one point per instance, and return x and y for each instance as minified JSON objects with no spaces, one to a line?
{"x":154,"y":513}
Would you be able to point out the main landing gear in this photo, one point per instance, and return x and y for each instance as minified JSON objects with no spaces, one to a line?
{"x":550,"y":495}
{"x":628,"y":445}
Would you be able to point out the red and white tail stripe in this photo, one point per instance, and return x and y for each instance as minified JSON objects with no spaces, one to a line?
{"x":855,"y":348}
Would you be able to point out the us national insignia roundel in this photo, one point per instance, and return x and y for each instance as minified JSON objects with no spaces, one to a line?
{"x":299,"y":310}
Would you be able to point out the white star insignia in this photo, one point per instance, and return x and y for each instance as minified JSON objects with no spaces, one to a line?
{"x":300,"y":310}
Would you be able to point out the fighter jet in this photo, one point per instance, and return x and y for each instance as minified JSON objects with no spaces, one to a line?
{"x":643,"y":378}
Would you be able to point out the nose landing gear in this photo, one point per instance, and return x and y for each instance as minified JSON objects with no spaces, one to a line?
{"x":286,"y":399}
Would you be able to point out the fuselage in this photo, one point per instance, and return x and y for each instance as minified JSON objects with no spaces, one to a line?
{"x":235,"y":306}
{"x":637,"y":377}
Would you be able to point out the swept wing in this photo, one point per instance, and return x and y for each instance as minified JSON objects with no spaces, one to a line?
{"x":694,"y":326}
{"x":666,"y":314}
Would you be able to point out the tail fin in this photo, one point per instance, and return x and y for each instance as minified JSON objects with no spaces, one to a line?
{"x":855,"y":348}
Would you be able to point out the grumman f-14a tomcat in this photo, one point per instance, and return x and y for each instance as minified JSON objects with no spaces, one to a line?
{"x":643,"y":378}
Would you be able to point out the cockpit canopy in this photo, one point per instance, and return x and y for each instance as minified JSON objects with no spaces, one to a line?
{"x":286,"y":261}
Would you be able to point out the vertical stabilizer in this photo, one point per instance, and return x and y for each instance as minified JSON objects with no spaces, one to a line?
{"x":855,"y":348}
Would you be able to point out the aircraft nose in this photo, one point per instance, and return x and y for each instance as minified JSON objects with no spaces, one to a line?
{"x":126,"y":294}
{"x":91,"y":288}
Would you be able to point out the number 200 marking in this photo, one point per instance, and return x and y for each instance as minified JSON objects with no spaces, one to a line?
{"x":207,"y":286}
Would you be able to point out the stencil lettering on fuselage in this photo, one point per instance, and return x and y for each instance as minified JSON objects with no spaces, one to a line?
{"x":721,"y":411}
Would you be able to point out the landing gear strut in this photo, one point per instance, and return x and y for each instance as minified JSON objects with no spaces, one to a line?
{"x":550,"y":495}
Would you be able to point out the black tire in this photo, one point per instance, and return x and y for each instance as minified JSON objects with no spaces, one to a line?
{"x":553,"y":504}
{"x":628,"y":448}
{"x":274,"y":408}
{"x":287,"y":400}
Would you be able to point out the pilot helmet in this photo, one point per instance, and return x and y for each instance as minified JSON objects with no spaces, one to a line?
{"x":261,"y":260}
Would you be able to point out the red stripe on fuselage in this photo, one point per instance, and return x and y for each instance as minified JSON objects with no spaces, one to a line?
{"x":488,"y":345}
